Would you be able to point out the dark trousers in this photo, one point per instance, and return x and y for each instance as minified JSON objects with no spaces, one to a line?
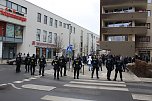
{"x":116,"y":72}
{"x":41,"y":69}
{"x":18,"y":68}
{"x":32,"y":69}
{"x":76,"y":72}
{"x":108,"y":74}
{"x":56,"y":73}
{"x":27,"y":68}
{"x":64,"y":70}
{"x":97,"y":69}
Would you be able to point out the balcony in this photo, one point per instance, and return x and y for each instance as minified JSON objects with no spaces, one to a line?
{"x":119,"y":48}
{"x":142,"y":16}
{"x":122,"y":2}
{"x":138,"y":30}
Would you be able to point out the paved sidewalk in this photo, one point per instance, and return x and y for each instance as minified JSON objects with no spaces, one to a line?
{"x":127,"y":76}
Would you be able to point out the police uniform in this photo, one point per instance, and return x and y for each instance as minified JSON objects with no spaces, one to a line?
{"x":55,"y":63}
{"x":95,"y":65}
{"x":77,"y":66}
{"x":18,"y":63}
{"x":33,"y":64}
{"x":110,"y":67}
{"x":119,"y":68}
{"x":27,"y":63}
{"x":42,"y":63}
{"x":62,"y":62}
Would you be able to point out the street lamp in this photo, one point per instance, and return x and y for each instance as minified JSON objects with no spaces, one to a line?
{"x":70,"y":31}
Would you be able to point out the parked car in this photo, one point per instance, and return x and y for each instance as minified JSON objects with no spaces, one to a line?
{"x":11,"y":61}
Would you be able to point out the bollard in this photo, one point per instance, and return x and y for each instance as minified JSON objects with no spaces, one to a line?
{"x":83,"y":69}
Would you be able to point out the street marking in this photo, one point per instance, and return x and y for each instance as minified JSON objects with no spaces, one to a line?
{"x":14,"y":86}
{"x":27,"y":80}
{"x":38,"y":76}
{"x":56,"y":98}
{"x":100,"y":84}
{"x":18,"y":81}
{"x":142,"y":97}
{"x":38,"y":87}
{"x":96,"y":87}
{"x":32,"y":78}
{"x":3,"y":84}
{"x":116,"y":82}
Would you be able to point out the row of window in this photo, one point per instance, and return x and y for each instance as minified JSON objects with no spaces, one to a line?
{"x":16,"y":7}
{"x":51,"y":21}
{"x":45,"y":36}
{"x":116,"y":38}
{"x":143,"y":39}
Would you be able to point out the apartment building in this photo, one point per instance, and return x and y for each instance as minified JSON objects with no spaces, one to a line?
{"x":27,"y":28}
{"x":126,"y":27}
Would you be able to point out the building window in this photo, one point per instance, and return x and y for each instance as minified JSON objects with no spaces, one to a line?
{"x":38,"y":17}
{"x":148,"y":25}
{"x":24,"y":10}
{"x":50,"y":37}
{"x":149,"y":1}
{"x":45,"y":19}
{"x":60,"y":23}
{"x":44,"y":35}
{"x":38,"y":35}
{"x":149,"y":12}
{"x":64,"y":25}
{"x":9,"y":4}
{"x":14,"y":6}
{"x":143,"y":39}
{"x":56,"y":23}
{"x":55,"y":38}
{"x":51,"y":22}
{"x":74,"y":30}
{"x":19,"y":8}
{"x":116,"y":38}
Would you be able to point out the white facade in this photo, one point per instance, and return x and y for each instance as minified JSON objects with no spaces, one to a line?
{"x":80,"y":38}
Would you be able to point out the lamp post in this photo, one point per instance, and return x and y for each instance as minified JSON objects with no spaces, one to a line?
{"x":70,"y":30}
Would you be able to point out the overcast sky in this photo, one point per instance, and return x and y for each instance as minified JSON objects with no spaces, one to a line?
{"x":85,"y":13}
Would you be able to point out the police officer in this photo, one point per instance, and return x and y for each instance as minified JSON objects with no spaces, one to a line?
{"x":27,"y":63}
{"x":33,"y":64}
{"x":55,"y":63}
{"x":77,"y":66}
{"x":42,"y":63}
{"x":119,"y":68}
{"x":18,"y":63}
{"x":62,"y":62}
{"x":95,"y":65}
{"x":109,"y":66}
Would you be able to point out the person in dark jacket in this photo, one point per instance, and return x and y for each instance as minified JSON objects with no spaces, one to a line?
{"x":18,"y":63}
{"x":56,"y":68}
{"x":42,"y":64}
{"x":62,"y":62}
{"x":109,"y":66}
{"x":77,"y":66}
{"x":33,"y":64}
{"x":119,"y":68}
{"x":27,"y":63}
{"x":95,"y":65}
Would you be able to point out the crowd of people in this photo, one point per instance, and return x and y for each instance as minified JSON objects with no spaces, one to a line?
{"x":94,"y":62}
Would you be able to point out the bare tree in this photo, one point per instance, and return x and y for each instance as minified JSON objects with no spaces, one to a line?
{"x":59,"y":44}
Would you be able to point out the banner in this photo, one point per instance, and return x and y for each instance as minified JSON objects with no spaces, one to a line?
{"x":18,"y":31}
{"x":9,"y":30}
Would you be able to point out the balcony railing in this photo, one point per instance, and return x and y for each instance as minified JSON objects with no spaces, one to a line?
{"x":138,"y":30}
{"x":119,"y":2}
{"x":125,"y":16}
